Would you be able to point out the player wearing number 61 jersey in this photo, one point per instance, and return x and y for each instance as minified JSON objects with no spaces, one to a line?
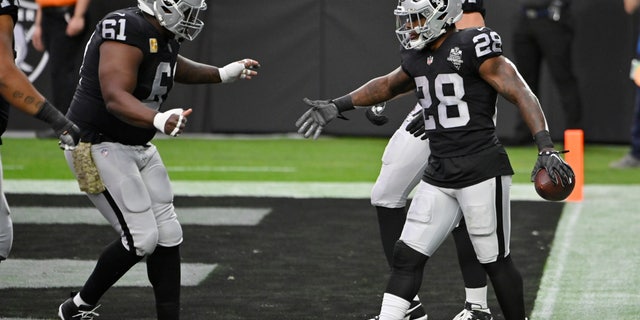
{"x":457,"y":76}
{"x":130,"y":65}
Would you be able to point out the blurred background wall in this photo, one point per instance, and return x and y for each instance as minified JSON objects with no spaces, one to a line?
{"x":326,"y":48}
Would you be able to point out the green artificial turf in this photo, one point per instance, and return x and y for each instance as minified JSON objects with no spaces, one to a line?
{"x":282,"y":159}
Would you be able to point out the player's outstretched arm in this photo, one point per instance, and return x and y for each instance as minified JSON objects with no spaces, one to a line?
{"x":192,"y":72}
{"x":375,"y":91}
{"x":16,"y":89}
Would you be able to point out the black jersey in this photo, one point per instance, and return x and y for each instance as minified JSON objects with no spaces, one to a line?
{"x":155,"y":77}
{"x":7,"y":7}
{"x":459,"y":108}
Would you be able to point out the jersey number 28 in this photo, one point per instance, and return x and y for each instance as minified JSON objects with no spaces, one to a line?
{"x":446,"y":117}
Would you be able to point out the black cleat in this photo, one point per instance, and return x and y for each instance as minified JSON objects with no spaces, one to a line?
{"x":69,"y":311}
{"x":473,"y":312}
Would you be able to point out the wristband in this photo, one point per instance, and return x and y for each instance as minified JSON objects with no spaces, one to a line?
{"x":49,"y":114}
{"x":543,"y":140}
{"x":344,"y":103}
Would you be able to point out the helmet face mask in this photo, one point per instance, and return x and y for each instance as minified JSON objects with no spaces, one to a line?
{"x":178,"y":16}
{"x":419,"y":22}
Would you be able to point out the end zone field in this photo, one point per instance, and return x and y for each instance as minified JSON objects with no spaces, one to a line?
{"x":306,"y":248}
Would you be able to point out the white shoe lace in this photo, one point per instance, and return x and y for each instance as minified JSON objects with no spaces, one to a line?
{"x":467,"y":314}
{"x":87,"y":314}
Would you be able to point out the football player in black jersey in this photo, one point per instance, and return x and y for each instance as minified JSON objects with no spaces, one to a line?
{"x":129,"y":67}
{"x":17,"y":91}
{"x":457,"y":76}
{"x":403,"y":162}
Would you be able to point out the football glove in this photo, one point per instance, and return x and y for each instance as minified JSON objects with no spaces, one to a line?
{"x":68,"y":132}
{"x":69,"y":139}
{"x":312,"y":122}
{"x":555,"y":166}
{"x":375,"y":116}
{"x":416,"y":127}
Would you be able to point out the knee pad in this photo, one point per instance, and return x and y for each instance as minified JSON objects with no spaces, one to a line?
{"x":406,"y":275}
{"x":146,"y":243}
{"x":6,"y":235}
{"x":406,"y":259}
{"x":170,"y":233}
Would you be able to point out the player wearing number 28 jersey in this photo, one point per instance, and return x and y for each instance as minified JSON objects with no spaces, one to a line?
{"x":457,"y":76}
{"x":459,"y":108}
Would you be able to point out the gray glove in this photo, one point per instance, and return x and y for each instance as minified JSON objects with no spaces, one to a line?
{"x":68,"y":132}
{"x":375,"y":116}
{"x":558,"y":169}
{"x":416,"y":127}
{"x":69,"y":139}
{"x":313,"y":120}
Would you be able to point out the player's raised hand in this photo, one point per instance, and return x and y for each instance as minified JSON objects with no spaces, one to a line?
{"x":171,"y":122}
{"x":243,"y":69}
{"x":312,"y":122}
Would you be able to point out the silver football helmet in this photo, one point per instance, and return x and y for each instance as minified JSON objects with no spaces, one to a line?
{"x":178,"y":16}
{"x":419,"y":22}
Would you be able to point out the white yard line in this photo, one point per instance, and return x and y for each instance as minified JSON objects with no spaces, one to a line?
{"x":343,"y":190}
{"x":61,"y":273}
{"x":204,"y":216}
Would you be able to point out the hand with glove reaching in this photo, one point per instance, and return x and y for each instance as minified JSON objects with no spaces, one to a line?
{"x":416,"y":126}
{"x":313,"y":121}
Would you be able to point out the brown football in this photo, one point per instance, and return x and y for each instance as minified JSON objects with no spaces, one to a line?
{"x":549,"y":191}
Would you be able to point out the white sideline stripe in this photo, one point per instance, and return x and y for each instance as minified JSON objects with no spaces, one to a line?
{"x":342,"y":190}
{"x":562,"y":244}
{"x":229,"y":169}
{"x":591,"y":271}
{"x":60,"y":273}
{"x":206,"y":216}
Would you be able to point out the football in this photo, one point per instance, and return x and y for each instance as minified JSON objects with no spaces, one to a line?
{"x":549,"y":191}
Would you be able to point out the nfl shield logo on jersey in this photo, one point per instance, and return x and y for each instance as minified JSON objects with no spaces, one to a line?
{"x":455,"y":57}
{"x":429,"y":60}
{"x":28,"y":59}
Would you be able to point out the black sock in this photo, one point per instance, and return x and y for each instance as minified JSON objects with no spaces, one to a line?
{"x":113,"y":263}
{"x":473,"y":273}
{"x":163,"y":269}
{"x":391,"y":222}
{"x":508,"y":286}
